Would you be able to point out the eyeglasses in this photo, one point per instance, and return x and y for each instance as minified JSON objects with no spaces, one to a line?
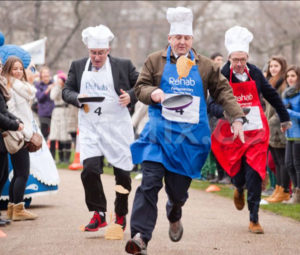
{"x":236,"y":60}
{"x":99,"y":53}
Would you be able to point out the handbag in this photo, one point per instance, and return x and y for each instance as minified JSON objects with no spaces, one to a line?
{"x":35,"y":143}
{"x":13,"y":140}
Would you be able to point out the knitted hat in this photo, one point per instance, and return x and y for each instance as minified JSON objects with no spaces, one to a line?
{"x":9,"y":50}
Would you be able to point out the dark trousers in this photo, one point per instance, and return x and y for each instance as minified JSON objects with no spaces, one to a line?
{"x":45,"y":126}
{"x":20,"y":163}
{"x":144,"y":209}
{"x":292,"y":161}
{"x":282,"y":176}
{"x":3,"y":169}
{"x":94,"y":194}
{"x":249,"y":177}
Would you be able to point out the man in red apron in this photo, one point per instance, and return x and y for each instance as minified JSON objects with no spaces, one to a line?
{"x":105,"y":127}
{"x":245,"y":162}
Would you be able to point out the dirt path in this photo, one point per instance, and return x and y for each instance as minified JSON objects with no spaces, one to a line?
{"x":211,"y":226}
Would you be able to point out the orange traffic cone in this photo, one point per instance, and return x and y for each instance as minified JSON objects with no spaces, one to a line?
{"x":2,"y":234}
{"x":212,"y":188}
{"x":76,"y":163}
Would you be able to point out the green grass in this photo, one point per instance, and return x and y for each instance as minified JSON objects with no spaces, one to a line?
{"x":291,"y":211}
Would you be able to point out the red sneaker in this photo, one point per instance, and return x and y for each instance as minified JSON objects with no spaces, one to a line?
{"x":121,"y":220}
{"x":98,"y":221}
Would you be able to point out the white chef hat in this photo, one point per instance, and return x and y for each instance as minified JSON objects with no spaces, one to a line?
{"x":237,"y":39}
{"x":97,"y":37}
{"x":181,"y":21}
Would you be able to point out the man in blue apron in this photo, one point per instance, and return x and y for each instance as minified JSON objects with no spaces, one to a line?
{"x":105,"y":128}
{"x":174,"y":144}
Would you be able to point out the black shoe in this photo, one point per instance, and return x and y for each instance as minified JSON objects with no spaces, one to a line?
{"x":121,"y":220}
{"x":4,"y":222}
{"x":136,"y":246}
{"x":98,"y":221}
{"x":175,"y":231}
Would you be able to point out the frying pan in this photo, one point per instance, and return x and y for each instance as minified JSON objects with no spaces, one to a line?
{"x":177,"y":102}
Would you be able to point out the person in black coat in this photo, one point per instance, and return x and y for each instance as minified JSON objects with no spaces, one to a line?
{"x":7,"y":122}
{"x":105,"y":128}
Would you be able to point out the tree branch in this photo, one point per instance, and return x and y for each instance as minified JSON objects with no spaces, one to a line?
{"x":69,"y":37}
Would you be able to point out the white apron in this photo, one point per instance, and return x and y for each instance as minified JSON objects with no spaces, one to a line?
{"x":106,"y":130}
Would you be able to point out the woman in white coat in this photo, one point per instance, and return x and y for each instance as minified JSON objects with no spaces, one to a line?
{"x":59,"y":121}
{"x":22,"y":93}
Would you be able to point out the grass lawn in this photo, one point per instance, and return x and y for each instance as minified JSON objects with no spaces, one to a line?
{"x":292,"y":211}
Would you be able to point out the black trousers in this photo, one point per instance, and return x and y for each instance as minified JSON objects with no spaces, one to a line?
{"x":94,"y":194}
{"x":45,"y":126}
{"x":292,"y":161}
{"x":3,"y":169}
{"x":20,"y":162}
{"x":249,"y":177}
{"x":282,"y":176}
{"x":144,"y":209}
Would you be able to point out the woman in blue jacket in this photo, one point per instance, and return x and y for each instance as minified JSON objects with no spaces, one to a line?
{"x":291,"y":99}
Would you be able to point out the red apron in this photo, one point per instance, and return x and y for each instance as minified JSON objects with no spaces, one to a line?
{"x":229,"y":153}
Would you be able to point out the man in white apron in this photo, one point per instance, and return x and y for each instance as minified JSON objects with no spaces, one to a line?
{"x":174,"y":144}
{"x":105,"y":128}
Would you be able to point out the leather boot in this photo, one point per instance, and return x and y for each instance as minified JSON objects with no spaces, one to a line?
{"x":255,"y":228}
{"x":20,"y":213}
{"x":280,"y":196}
{"x":239,"y":199}
{"x":273,"y":194}
{"x":9,"y":212}
{"x":295,"y":199}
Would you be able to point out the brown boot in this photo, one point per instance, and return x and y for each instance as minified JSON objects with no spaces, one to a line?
{"x":280,"y":196}
{"x":273,"y":194}
{"x":255,"y":228}
{"x":9,"y":212}
{"x":19,"y":213}
{"x":239,"y":199}
{"x":295,"y":199}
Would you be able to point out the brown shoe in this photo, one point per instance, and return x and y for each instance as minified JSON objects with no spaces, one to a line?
{"x":255,"y":228}
{"x":20,"y":213}
{"x":175,"y":231}
{"x":276,"y":190}
{"x":239,"y":199}
{"x":280,"y":196}
{"x":9,"y":210}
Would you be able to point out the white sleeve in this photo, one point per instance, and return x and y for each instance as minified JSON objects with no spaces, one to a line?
{"x":24,"y":89}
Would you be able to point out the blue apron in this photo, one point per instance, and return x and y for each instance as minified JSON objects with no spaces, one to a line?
{"x":180,"y":140}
